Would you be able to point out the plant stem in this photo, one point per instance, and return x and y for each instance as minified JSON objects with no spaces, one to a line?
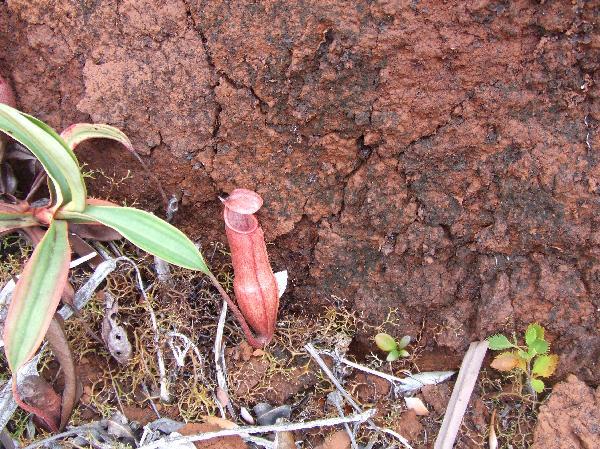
{"x":256,"y":342}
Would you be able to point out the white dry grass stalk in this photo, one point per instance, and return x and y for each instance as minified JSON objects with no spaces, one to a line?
{"x":245,"y":431}
{"x":165,"y":396}
{"x":459,"y":400}
{"x":406,"y":385}
{"x":82,"y":259}
{"x":81,"y":430}
{"x":335,"y":398}
{"x":315,"y":355}
{"x":180,"y":352}
{"x":221,"y":369}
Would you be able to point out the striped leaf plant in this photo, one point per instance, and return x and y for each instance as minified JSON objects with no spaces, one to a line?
{"x":44,"y":277}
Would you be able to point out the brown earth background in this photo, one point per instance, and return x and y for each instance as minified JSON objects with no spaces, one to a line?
{"x":437,"y":157}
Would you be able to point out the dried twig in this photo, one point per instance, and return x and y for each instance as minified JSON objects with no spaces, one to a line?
{"x":315,"y":355}
{"x":334,"y":397}
{"x":365,"y":369}
{"x":250,"y":430}
{"x":81,"y":430}
{"x":180,"y":353}
{"x":219,"y":352}
{"x":150,"y":401}
{"x":408,"y":384}
{"x":162,"y":372}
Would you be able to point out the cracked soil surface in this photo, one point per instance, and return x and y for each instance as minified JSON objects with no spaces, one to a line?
{"x":439,"y":159}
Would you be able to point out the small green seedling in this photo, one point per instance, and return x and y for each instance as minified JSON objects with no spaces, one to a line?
{"x":533,"y":359}
{"x":395,"y":350}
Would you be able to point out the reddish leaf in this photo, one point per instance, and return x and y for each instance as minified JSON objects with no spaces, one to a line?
{"x":506,"y":361}
{"x":35,"y":235}
{"x":36,"y":396}
{"x":15,"y":216}
{"x":82,"y":248}
{"x":95,"y":231}
{"x":68,"y":295}
{"x":62,"y":351}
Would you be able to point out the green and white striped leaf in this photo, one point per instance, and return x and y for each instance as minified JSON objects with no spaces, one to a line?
{"x":13,"y":217}
{"x":52,"y":132}
{"x":56,"y":157}
{"x":146,"y":231}
{"x":36,"y":295}
{"x":75,"y":134}
{"x":15,"y":220}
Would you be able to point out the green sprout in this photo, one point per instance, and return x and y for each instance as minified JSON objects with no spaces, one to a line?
{"x":532,"y":359}
{"x":395,"y":350}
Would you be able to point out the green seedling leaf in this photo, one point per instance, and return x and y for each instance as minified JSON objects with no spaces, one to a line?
{"x":499,"y":342}
{"x":506,"y":361}
{"x":393,"y":355}
{"x":36,"y":295}
{"x":545,"y":365}
{"x":540,"y":346}
{"x":539,"y":331}
{"x":54,"y":155}
{"x":404,"y":353}
{"x":531,"y":334}
{"x":537,"y":385}
{"x":75,"y":134}
{"x":385,"y":342}
{"x":146,"y":231}
{"x":404,"y":342}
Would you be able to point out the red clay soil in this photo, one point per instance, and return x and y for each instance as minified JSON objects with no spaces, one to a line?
{"x":570,"y":419}
{"x":438,"y":158}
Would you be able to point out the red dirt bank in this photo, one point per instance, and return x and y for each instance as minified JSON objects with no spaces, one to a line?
{"x":413,"y":155}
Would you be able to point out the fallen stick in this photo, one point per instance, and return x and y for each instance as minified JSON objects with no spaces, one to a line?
{"x":249,"y":430}
{"x":465,"y":382}
{"x":315,"y":355}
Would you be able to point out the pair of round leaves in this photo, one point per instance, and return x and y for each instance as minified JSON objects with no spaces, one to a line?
{"x":395,"y":350}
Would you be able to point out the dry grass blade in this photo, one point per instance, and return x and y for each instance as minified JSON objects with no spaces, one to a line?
{"x":467,"y":376}
{"x":315,"y":355}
